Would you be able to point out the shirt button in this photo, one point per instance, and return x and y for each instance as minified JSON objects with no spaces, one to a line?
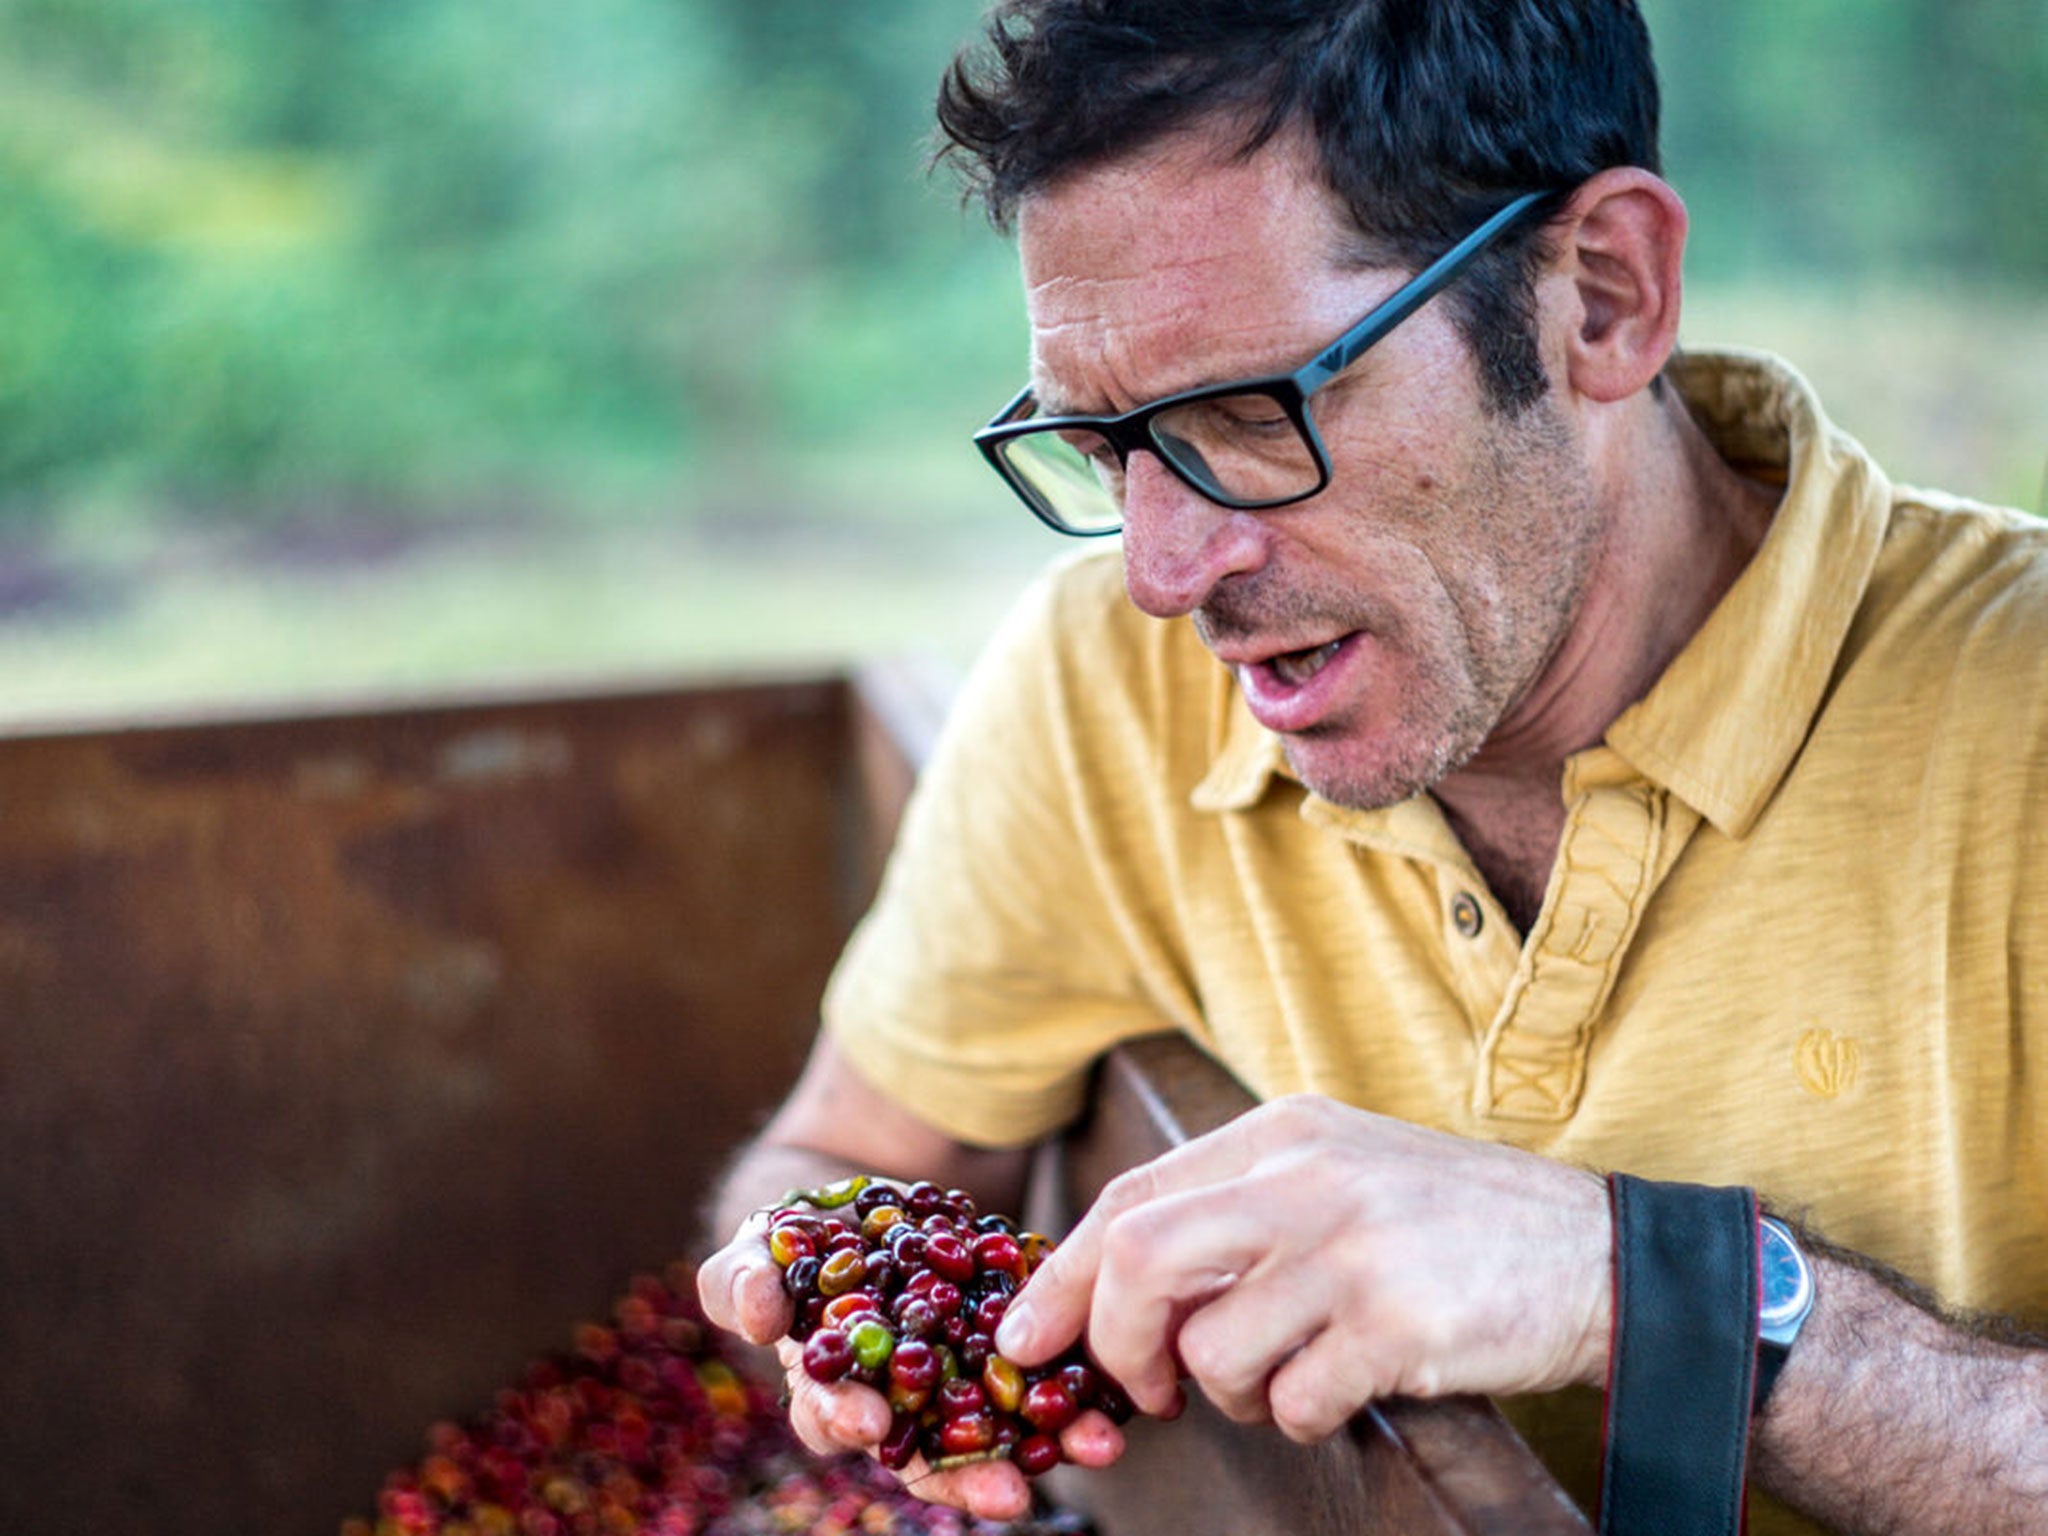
{"x":1466,"y":916}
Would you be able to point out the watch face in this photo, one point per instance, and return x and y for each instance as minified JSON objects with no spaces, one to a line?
{"x":1786,"y":1282}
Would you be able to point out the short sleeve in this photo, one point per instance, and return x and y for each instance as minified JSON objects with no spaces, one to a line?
{"x":1016,"y":936}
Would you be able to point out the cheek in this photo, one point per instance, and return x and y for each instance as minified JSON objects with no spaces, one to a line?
{"x":1397,"y":472}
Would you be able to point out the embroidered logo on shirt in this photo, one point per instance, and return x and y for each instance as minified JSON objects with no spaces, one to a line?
{"x":1826,"y":1062}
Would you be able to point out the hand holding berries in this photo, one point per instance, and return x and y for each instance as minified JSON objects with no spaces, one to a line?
{"x":912,"y":1286}
{"x":1308,"y":1258}
{"x":746,"y":1290}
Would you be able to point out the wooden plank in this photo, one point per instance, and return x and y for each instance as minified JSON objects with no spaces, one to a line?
{"x":347,"y":1062}
{"x":1447,"y":1468}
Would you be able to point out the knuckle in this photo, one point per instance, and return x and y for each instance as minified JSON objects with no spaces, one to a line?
{"x":1127,"y":1191}
{"x":1216,"y":1360}
{"x":713,"y":1286}
{"x":1301,"y":1114}
{"x":1425,"y":1380}
{"x":1238,"y":1407}
{"x":1315,"y":1394}
{"x":834,"y":1414}
{"x":1301,"y":1412}
{"x":1413,"y":1328}
{"x":1302,"y":1430}
{"x":1135,"y":1251}
{"x":1357,"y":1255}
{"x":1207,"y":1360}
{"x":1125,"y":1248}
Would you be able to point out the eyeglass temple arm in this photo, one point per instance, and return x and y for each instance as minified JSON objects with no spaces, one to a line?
{"x":1411,"y":296}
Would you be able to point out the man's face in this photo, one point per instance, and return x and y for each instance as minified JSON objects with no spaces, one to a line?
{"x":1387,"y":627}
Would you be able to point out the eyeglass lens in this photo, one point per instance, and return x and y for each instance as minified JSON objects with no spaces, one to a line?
{"x":1245,"y":449}
{"x":1073,"y":476}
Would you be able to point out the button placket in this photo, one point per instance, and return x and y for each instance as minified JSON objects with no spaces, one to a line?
{"x":1532,"y":1062}
{"x":1480,"y":946}
{"x":1480,"y":965}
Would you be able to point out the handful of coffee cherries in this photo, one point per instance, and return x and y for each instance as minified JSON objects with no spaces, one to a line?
{"x":902,"y":1288}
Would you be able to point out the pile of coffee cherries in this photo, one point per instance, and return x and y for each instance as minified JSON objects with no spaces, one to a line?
{"x":902,"y":1289}
{"x":653,"y":1424}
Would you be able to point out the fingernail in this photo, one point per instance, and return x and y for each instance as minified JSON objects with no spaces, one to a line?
{"x":1013,"y":1333}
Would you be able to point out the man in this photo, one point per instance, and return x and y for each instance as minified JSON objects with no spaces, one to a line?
{"x":1606,"y":769}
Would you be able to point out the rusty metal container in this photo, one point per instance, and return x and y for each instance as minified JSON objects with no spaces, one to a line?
{"x":348,"y":1058}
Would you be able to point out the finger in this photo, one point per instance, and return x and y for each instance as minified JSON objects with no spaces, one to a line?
{"x":1328,"y":1380}
{"x":1091,"y":1440}
{"x":715,"y":1279}
{"x":1161,"y":1263}
{"x":988,"y":1490}
{"x":996,"y":1490}
{"x":740,"y":1286}
{"x":1052,"y":1309}
{"x":1231,"y":1346}
{"x":844,"y":1416}
{"x":764,"y":1307}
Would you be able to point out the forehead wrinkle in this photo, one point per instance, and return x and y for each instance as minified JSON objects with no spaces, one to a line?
{"x":1176,"y":337}
{"x":1183,"y":347}
{"x":1181,"y":267}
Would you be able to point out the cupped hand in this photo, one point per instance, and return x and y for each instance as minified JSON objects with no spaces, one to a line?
{"x":740,"y":1289}
{"x":848,"y":1416}
{"x":740,"y":1286}
{"x":1309,"y":1258}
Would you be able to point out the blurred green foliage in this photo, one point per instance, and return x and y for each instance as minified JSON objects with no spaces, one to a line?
{"x":258,"y":256}
{"x":1861,"y":138}
{"x":255,"y":251}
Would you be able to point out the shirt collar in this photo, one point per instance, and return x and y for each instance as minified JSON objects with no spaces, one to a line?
{"x":1723,"y":724}
{"x":1721,"y":727}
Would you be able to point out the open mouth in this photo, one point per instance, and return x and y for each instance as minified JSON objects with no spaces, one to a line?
{"x":1296,"y":667}
{"x":1299,"y":690}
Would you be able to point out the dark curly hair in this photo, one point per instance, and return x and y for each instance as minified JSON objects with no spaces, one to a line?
{"x":1426,"y":115}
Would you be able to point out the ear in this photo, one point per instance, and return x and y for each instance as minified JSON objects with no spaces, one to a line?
{"x":1621,"y":241}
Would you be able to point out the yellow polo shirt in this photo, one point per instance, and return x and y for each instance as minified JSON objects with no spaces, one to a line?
{"x":1796,"y":936}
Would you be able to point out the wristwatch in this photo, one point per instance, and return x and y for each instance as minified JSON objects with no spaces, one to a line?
{"x":1785,"y":1292}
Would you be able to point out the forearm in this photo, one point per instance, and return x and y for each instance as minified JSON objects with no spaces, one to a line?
{"x":1890,"y":1420}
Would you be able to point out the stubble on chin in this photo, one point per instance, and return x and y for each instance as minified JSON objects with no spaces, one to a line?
{"x":1399,"y":740}
{"x":1433,"y":730}
{"x":1461,"y":667}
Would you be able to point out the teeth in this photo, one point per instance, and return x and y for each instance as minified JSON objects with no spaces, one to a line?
{"x":1297,"y":667}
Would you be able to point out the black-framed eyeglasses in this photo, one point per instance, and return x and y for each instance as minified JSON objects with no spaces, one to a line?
{"x":1248,"y":444}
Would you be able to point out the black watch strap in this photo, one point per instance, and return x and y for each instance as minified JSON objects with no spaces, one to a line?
{"x":1680,"y":1367}
{"x":1770,"y":1359}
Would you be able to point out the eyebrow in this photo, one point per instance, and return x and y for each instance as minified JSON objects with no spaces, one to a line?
{"x":1052,"y":404}
{"x":1049,"y":405}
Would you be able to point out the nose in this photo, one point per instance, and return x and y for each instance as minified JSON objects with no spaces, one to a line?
{"x":1178,"y":544}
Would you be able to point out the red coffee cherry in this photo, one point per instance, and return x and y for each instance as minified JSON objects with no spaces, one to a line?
{"x":902,"y":1290}
{"x":1049,"y":1405}
{"x":1036,"y":1453}
{"x":828,"y":1356}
